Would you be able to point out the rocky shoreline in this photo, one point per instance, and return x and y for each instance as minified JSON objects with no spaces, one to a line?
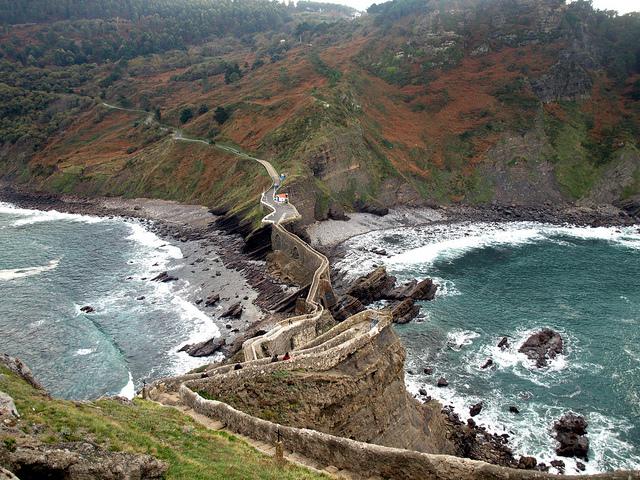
{"x":213,"y":262}
{"x":330,"y":235}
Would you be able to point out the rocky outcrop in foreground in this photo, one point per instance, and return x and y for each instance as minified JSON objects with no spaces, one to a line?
{"x":24,"y":454}
{"x":79,"y":461}
{"x":543,"y":346}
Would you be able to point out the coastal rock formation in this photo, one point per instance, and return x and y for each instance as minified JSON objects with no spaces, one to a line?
{"x":423,"y":290}
{"x":369,"y":207}
{"x":475,"y":409}
{"x":542,"y":346}
{"x":18,"y":367}
{"x":631,"y":206}
{"x":373,"y":286}
{"x":87,"y":309}
{"x":405,"y":311}
{"x":204,"y":349}
{"x":379,"y":285}
{"x":346,"y":307}
{"x":527,"y":463}
{"x":79,"y":461}
{"x":234,"y":311}
{"x":164,"y":277}
{"x":211,"y":300}
{"x":7,"y":406}
{"x":571,"y":434}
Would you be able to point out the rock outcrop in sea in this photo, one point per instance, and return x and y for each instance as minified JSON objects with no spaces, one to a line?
{"x":543,"y":346}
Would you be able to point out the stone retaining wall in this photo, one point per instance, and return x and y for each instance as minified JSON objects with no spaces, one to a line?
{"x":296,"y":331}
{"x":367,"y":459}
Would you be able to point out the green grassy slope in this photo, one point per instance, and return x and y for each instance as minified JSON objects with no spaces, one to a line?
{"x":192,"y":451}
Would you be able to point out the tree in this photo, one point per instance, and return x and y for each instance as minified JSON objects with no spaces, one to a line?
{"x":157,"y":114}
{"x":202,"y":109}
{"x":186,"y":114}
{"x":221,"y":115}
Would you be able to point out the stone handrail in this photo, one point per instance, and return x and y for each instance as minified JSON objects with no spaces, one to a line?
{"x":367,"y":459}
{"x":317,"y":358}
{"x":285,"y":331}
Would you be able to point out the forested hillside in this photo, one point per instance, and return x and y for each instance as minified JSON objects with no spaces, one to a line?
{"x":414,"y":102}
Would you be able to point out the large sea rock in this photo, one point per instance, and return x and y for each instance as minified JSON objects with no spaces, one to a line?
{"x":543,"y":346}
{"x":571,"y":434}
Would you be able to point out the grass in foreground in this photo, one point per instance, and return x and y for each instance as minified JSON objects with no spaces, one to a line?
{"x":192,"y":451}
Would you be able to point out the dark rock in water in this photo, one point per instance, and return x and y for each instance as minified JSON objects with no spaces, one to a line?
{"x":405,"y":311}
{"x":527,"y":463}
{"x":204,"y":349}
{"x":580,"y":466}
{"x":487,"y":364}
{"x":346,"y":307}
{"x":373,"y":286}
{"x":504,"y":343}
{"x":570,"y":422}
{"x":475,"y":409}
{"x":234,"y":311}
{"x":542,"y":467}
{"x":87,"y":309}
{"x":428,"y":370}
{"x":571,"y":431}
{"x":423,"y":290}
{"x":559,"y":464}
{"x":423,"y":392}
{"x":442,"y":382}
{"x":542,"y":346}
{"x":199,"y":301}
{"x":212,"y":300}
{"x":141,"y":297}
{"x":514,"y":409}
{"x":164,"y":277}
{"x":471,"y":423}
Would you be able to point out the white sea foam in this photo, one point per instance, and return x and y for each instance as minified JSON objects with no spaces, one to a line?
{"x":81,"y":352}
{"x":421,"y":246}
{"x":457,"y":246}
{"x":458,"y":339}
{"x":129,"y":390}
{"x":14,"y":273}
{"x":446,"y":288}
{"x":30,"y":217}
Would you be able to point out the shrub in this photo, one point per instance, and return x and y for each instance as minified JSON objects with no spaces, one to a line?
{"x":186,"y":114}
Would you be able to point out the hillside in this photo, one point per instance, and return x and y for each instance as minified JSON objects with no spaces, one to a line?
{"x":416,"y":102}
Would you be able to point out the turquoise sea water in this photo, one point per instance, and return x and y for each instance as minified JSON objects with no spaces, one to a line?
{"x":52,"y":264}
{"x":512,"y":280}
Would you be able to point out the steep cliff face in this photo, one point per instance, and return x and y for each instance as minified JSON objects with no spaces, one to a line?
{"x":363,"y":398}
